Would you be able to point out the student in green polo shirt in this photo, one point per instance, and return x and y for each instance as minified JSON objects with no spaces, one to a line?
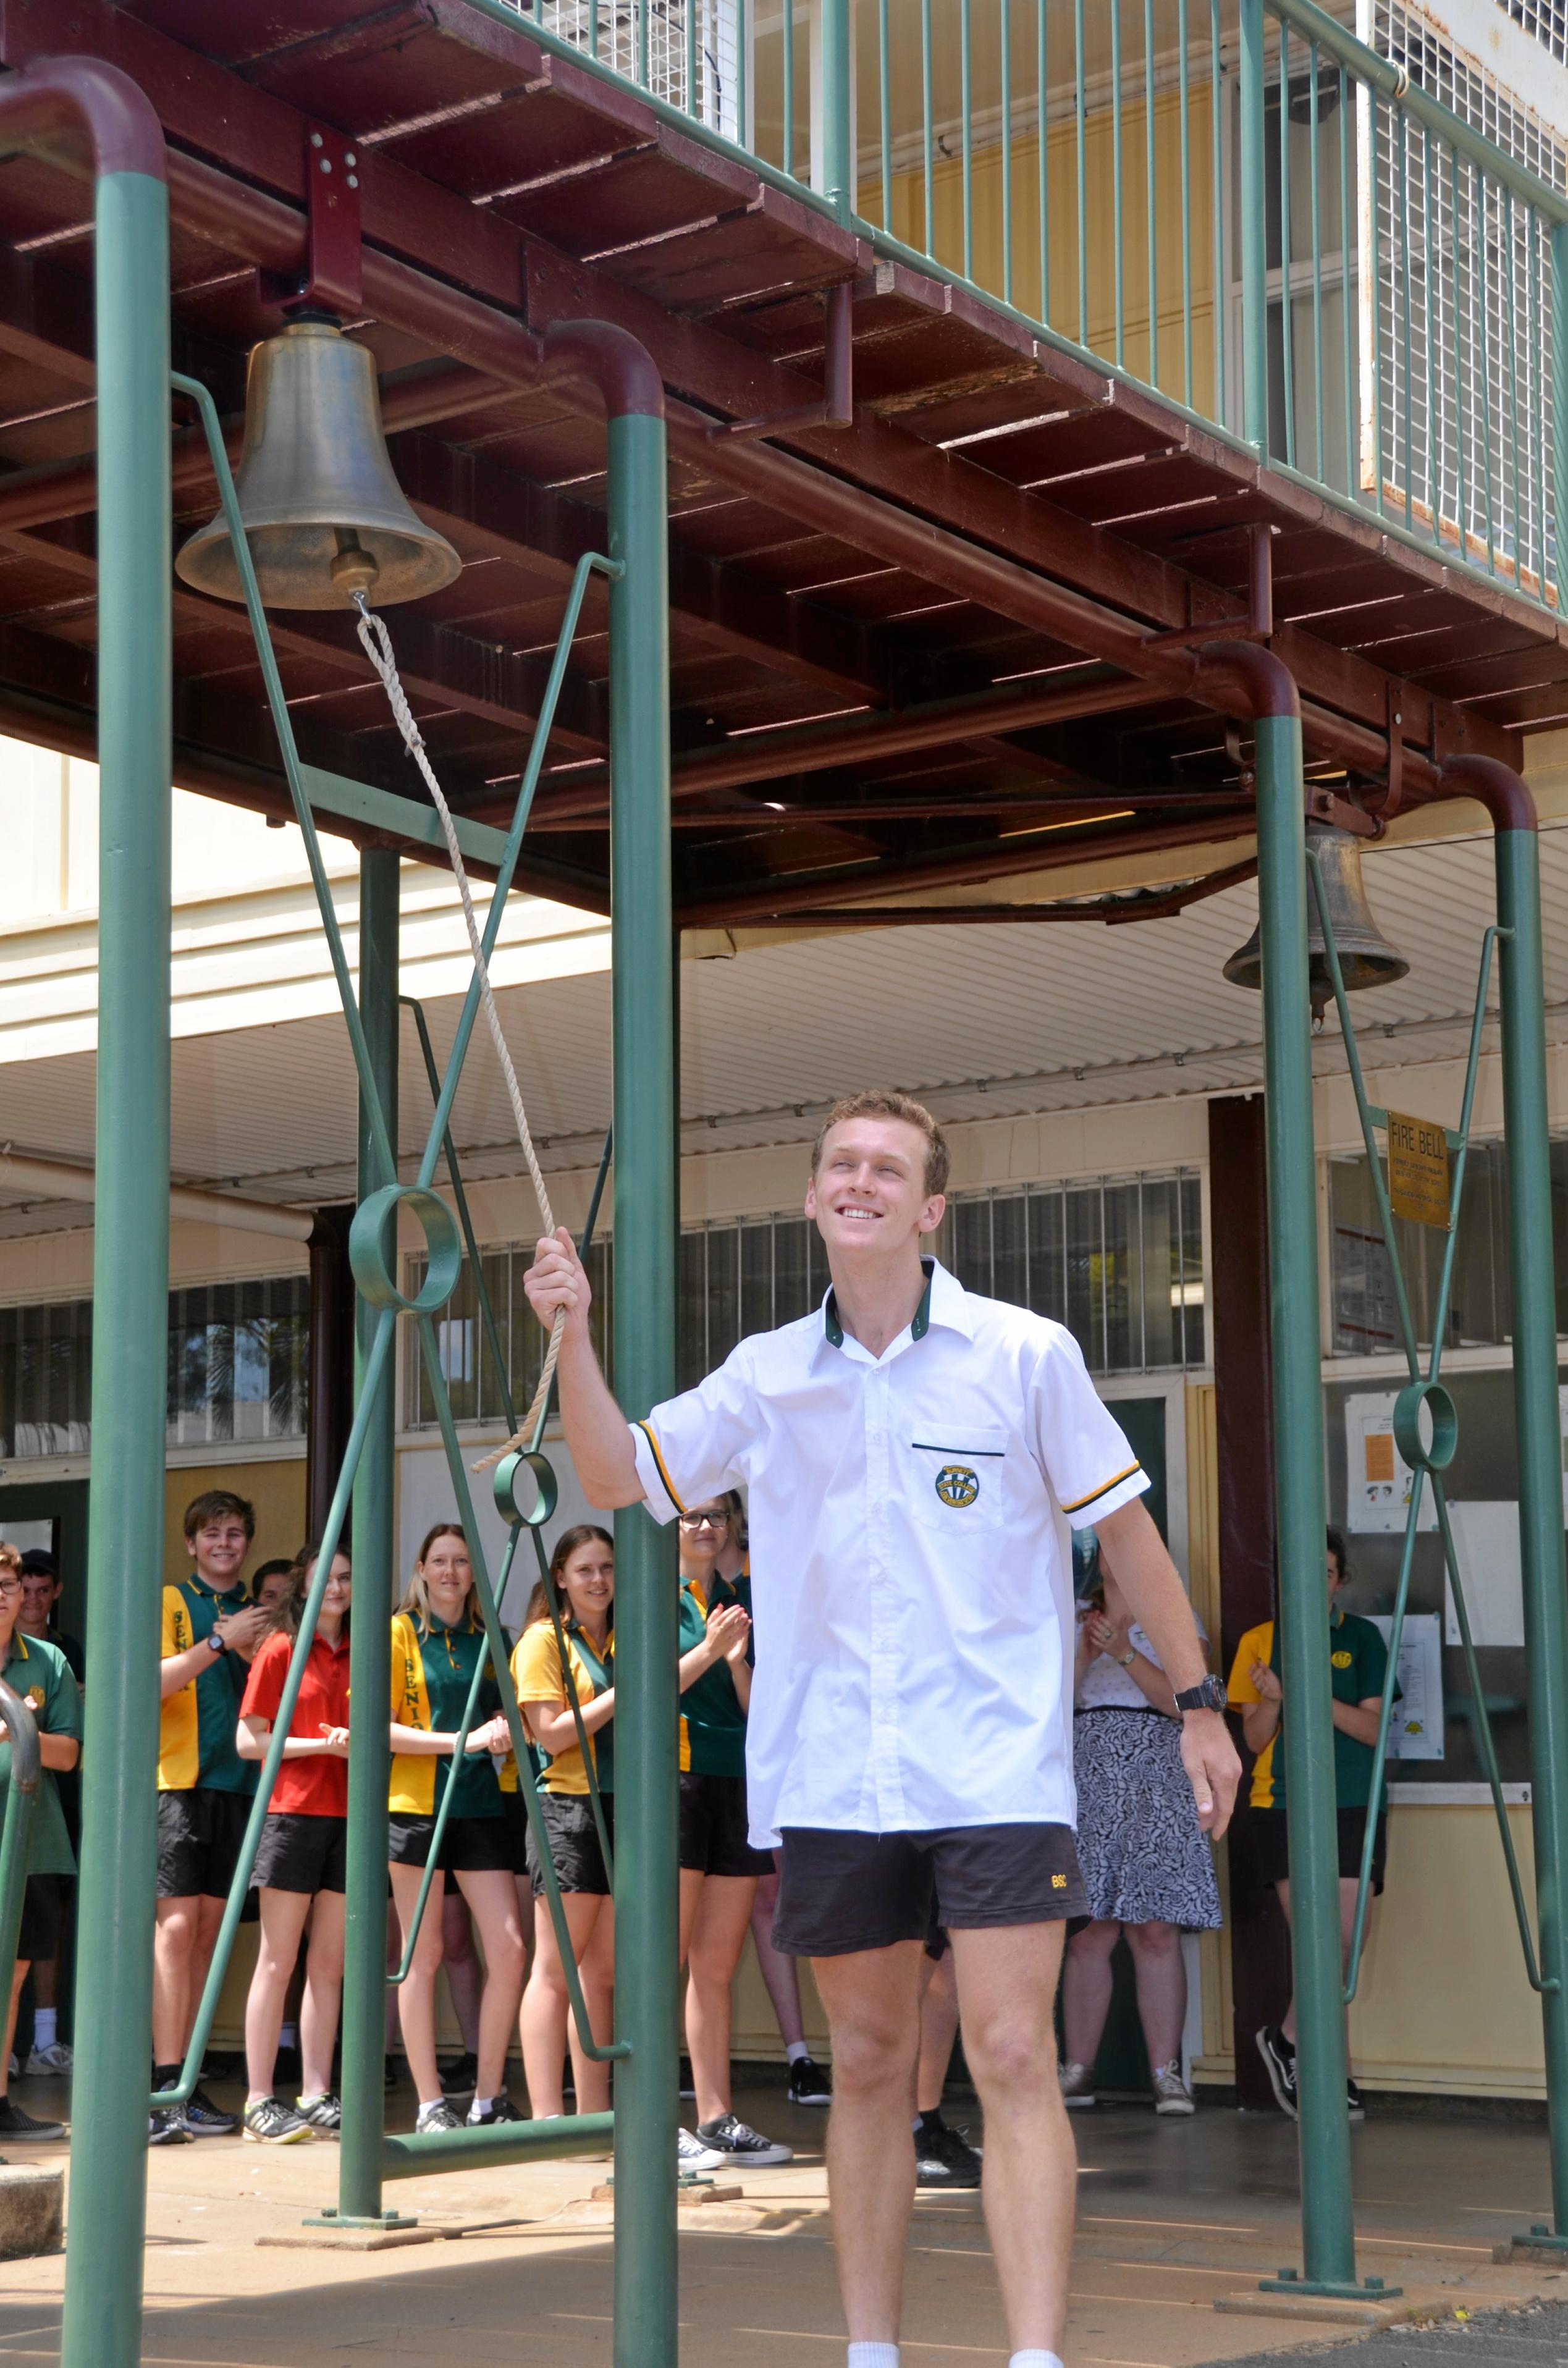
{"x":39,"y":1673}
{"x":1357,"y":1660}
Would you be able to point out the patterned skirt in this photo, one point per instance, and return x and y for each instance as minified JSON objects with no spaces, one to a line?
{"x":1144,"y":1857}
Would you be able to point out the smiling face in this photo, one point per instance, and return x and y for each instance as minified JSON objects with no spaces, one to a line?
{"x":587,"y":1581}
{"x":339,"y":1587}
{"x":219,"y":1550}
{"x":868,"y":1197}
{"x":704,"y":1534}
{"x":447,"y":1574}
{"x":39,"y":1593}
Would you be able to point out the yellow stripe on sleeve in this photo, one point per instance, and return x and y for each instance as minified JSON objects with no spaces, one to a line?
{"x":1103,"y":1490}
{"x":647,"y":1431}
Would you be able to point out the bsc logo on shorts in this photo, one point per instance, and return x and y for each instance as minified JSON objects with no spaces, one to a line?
{"x":956,"y":1486}
{"x":1059,"y":1883}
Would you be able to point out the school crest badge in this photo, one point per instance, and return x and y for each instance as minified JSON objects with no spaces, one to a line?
{"x":956,"y":1486}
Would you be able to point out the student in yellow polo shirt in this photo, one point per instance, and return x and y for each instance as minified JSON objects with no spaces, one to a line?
{"x":1357,"y":1665}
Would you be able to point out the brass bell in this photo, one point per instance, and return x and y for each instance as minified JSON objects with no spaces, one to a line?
{"x":1366,"y":957}
{"x":324,"y":514}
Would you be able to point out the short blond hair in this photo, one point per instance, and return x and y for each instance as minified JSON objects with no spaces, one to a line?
{"x":881,"y":1101}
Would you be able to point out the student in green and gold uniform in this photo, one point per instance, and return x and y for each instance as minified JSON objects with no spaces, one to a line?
{"x":719,"y":1869}
{"x":437,"y":1641}
{"x":38,"y":1671}
{"x":1259,"y":1688}
{"x":582,"y":1568}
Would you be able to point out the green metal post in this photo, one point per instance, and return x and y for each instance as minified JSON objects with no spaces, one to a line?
{"x":370,"y":1646}
{"x":1523,"y":996}
{"x":646,"y":1716}
{"x":1301,"y":1511}
{"x":1254,"y":229}
{"x":130,"y":1276}
{"x":836,"y":100}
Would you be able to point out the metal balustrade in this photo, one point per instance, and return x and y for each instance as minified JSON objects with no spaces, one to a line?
{"x":1351,"y":260}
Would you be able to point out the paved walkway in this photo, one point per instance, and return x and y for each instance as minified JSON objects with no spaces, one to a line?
{"x":1173,"y":2215}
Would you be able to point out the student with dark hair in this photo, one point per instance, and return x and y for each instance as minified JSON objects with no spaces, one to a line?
{"x":50,"y":2057}
{"x":301,"y":1863}
{"x":437,"y":1641}
{"x":1259,"y":1688}
{"x":211,"y":1629}
{"x":37,"y":1670}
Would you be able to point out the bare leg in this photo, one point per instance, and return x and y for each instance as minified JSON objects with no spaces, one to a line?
{"x":394,"y":1958}
{"x":872,"y":1998}
{"x":596,"y":1968}
{"x":718,"y":1936}
{"x":18,"y":1976}
{"x":1161,"y":1988}
{"x":465,"y":1975}
{"x":1006,"y":1985}
{"x":778,"y":1972}
{"x":209,"y":1917}
{"x":283,"y":1914}
{"x":416,"y":1995}
{"x":492,"y":1894}
{"x":1085,"y":1989}
{"x":173,"y":1938}
{"x":938,"y":2029}
{"x":1347,"y":1890}
{"x":546,"y":2017}
{"x":323,"y":1994}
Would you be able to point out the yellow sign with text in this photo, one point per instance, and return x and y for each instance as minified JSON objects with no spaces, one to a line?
{"x":1418,"y":1170}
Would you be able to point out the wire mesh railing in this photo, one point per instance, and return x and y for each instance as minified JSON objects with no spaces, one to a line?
{"x":1350,"y":254}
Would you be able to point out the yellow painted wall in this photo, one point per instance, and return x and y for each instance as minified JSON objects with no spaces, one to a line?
{"x":907,"y":223}
{"x":276,"y":1488}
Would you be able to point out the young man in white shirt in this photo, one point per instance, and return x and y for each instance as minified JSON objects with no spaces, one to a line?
{"x":914,"y":1455}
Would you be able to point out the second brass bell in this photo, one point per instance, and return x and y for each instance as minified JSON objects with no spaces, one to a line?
{"x":324,"y":514}
{"x":1365,"y":956}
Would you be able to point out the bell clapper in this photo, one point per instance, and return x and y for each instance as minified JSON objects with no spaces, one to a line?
{"x":355,"y":569}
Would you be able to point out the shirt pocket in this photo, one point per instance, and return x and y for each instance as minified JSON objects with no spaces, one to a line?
{"x":957,"y":1476}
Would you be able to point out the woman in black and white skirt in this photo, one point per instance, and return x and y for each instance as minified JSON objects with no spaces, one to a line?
{"x":1147,"y":1867}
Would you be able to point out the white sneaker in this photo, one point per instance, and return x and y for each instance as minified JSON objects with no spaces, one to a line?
{"x":49,"y":2063}
{"x":1172,"y":2094}
{"x":692,"y":2155}
{"x":1077,"y":2086}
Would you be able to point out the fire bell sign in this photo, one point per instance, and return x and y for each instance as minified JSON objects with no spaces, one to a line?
{"x":1418,"y":1170}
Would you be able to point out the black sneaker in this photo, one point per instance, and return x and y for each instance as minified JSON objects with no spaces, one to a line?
{"x":1354,"y":2103}
{"x":499,"y":2109}
{"x":205,"y":2120}
{"x":388,"y":2073}
{"x":1279,"y":2062}
{"x":325,"y":2113}
{"x":21,"y":2126}
{"x":269,"y":2121}
{"x":166,"y":2126}
{"x":437,"y":2115}
{"x":943,"y":2156}
{"x":458,"y":2078}
{"x":731,"y":2138}
{"x":811,"y":2083}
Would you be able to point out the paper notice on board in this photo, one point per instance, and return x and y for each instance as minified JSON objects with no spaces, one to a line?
{"x":1486,"y":1545}
{"x":1377,"y":1477}
{"x":1415,"y":1729}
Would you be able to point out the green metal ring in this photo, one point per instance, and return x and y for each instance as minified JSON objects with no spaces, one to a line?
{"x":1407,"y":1426}
{"x":374,"y":1261}
{"x":547,"y":1489}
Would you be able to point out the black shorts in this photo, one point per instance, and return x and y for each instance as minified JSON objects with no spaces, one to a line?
{"x":1271,"y":1845}
{"x":515,"y":1818}
{"x":844,"y":1892}
{"x":43,"y":1917}
{"x":301,"y":1853}
{"x":714,"y":1827}
{"x":469,"y":1845}
{"x":199,"y":1833}
{"x":574,"y":1851}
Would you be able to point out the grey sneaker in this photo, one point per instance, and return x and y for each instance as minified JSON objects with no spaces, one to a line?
{"x":269,"y":2121}
{"x":166,"y":2125}
{"x":437,"y":2115}
{"x":735,"y":2141}
{"x":325,"y":2113}
{"x":1077,"y":2086}
{"x":1172,"y":2094}
{"x":49,"y":2063}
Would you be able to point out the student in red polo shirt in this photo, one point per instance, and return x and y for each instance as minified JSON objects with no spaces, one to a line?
{"x":302,"y":1858}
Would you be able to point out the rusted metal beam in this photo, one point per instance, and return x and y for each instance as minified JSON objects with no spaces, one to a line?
{"x":1113,"y":911}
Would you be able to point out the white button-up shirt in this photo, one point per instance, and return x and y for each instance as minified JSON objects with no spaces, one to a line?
{"x":911,"y":1584}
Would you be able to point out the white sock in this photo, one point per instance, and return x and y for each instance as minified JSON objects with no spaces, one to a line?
{"x":796,"y":2052}
{"x":43,"y":2026}
{"x":873,"y":2355}
{"x":480,"y":2105}
{"x":1034,"y":2360}
{"x":288,"y":2035}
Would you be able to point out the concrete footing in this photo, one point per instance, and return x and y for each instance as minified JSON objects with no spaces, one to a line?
{"x":32,"y":2211}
